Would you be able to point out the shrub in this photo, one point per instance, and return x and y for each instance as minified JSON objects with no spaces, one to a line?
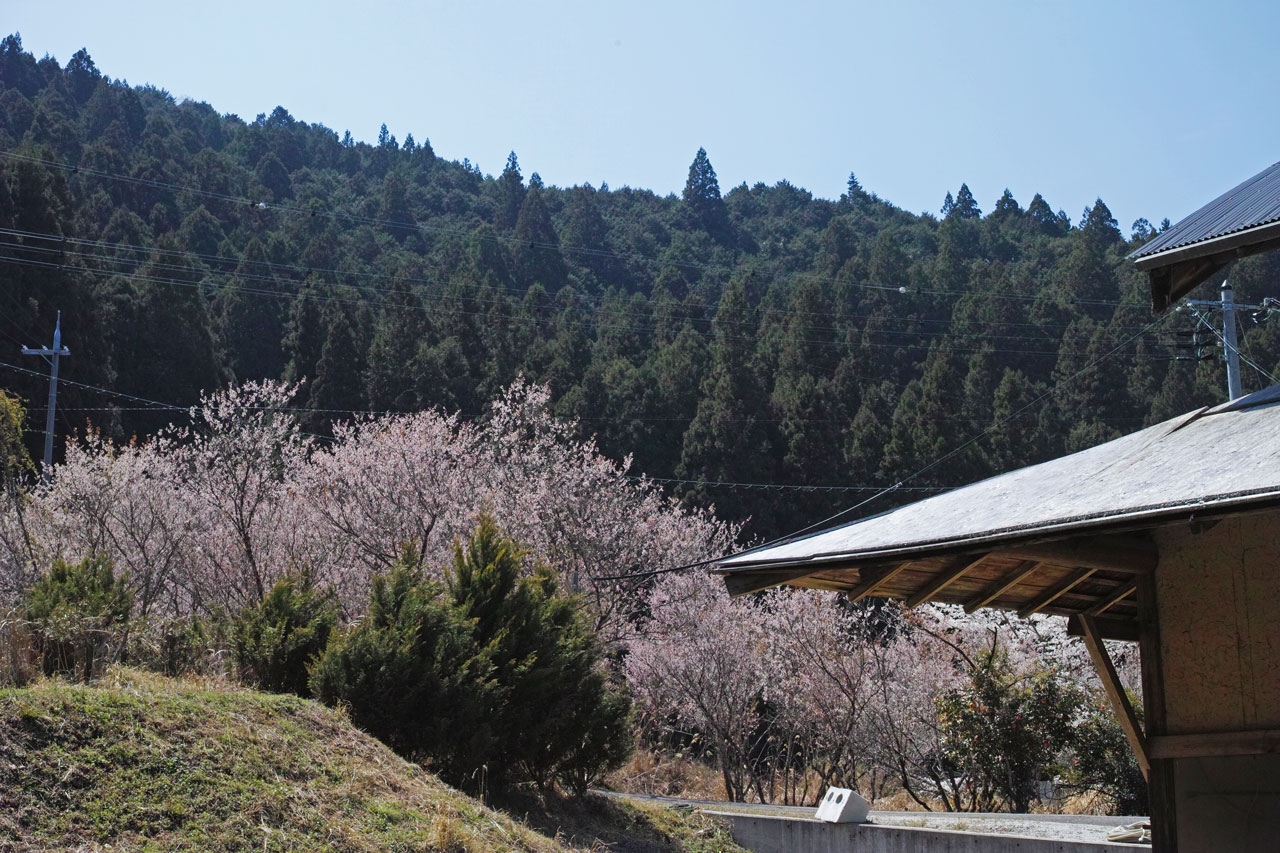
{"x":490,"y":679}
{"x":79,"y":616}
{"x":276,"y":640}
{"x":1003,"y":731}
{"x":551,"y":715}
{"x":407,"y":673}
{"x":1103,"y":761}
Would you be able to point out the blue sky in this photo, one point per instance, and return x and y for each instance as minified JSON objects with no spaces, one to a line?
{"x":1155,"y":107}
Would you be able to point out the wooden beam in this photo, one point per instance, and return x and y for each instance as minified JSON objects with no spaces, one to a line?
{"x":1052,"y":595}
{"x":1216,"y":744}
{"x":873,"y":579}
{"x":1019,"y":573}
{"x":1126,"y":554}
{"x":1112,"y":600}
{"x":1115,"y":694}
{"x":941,"y":581}
{"x":1126,"y":630}
{"x":745,"y":583}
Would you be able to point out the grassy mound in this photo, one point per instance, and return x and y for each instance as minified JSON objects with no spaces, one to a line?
{"x":141,"y":762}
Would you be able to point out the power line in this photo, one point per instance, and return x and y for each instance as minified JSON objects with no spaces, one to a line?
{"x":534,"y":320}
{"x":812,"y":528}
{"x":597,"y":306}
{"x":1226,"y":345}
{"x":723,"y":484}
{"x":458,"y":232}
{"x":157,"y":406}
{"x":154,"y":404}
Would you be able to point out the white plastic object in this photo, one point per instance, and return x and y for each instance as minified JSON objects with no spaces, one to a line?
{"x":842,"y":805}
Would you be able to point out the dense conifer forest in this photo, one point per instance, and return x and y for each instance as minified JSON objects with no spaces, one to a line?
{"x":724,"y":340}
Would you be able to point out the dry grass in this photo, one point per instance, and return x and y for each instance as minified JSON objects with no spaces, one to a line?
{"x":649,"y":772}
{"x":18,"y":659}
{"x":144,"y":762}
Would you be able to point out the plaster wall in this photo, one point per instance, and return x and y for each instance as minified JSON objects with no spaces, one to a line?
{"x":1218,"y":605}
{"x":1218,"y":598}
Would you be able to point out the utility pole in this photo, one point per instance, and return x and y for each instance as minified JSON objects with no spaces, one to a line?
{"x":51,"y":356}
{"x":1230,"y":352}
{"x":1230,"y":348}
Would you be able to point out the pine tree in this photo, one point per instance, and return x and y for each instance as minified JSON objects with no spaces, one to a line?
{"x":727,"y":439}
{"x":274,"y":177}
{"x":408,"y":674}
{"x":337,"y":389}
{"x":391,"y":376}
{"x":250,"y":322}
{"x":537,"y":249}
{"x":83,"y":75}
{"x":1099,"y":225}
{"x":1045,"y":220}
{"x":588,"y":235}
{"x":702,"y":202}
{"x":397,"y":218}
{"x":853,"y":190}
{"x":539,"y":653}
{"x":966,"y":206}
{"x":948,"y":205}
{"x":511,"y":194}
{"x":1007,"y":207}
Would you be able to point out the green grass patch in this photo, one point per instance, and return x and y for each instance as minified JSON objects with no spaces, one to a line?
{"x":140,"y":762}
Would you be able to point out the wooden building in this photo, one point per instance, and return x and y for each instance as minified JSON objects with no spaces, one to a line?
{"x":1169,"y":537}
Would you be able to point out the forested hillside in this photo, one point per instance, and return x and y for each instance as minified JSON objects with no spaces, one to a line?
{"x":755,"y":336}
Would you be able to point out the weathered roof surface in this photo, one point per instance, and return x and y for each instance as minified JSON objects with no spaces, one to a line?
{"x":1251,"y":204}
{"x":1212,"y":459}
{"x":1243,"y":221}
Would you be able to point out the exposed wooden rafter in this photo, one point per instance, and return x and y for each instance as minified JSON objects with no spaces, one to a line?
{"x":745,"y":583}
{"x":1105,"y":604}
{"x":941,"y":581}
{"x":873,"y":579}
{"x":1109,"y":628}
{"x":1053,"y":594}
{"x":1014,"y":577}
{"x":1216,"y":744}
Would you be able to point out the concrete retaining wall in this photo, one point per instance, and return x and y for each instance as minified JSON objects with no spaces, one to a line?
{"x":765,"y":834}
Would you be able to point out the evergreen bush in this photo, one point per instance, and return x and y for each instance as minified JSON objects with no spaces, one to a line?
{"x":276,"y":640}
{"x":79,"y":615}
{"x":552,"y":715}
{"x":1004,"y":731}
{"x":491,"y":679}
{"x":408,"y":675}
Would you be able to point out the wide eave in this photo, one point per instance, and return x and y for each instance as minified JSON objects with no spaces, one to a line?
{"x":1069,"y":537}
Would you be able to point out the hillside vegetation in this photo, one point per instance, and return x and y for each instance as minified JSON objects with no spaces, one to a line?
{"x":755,"y":336}
{"x":141,"y":762}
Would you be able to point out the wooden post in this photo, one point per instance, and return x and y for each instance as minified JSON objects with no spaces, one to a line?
{"x":1164,"y":826}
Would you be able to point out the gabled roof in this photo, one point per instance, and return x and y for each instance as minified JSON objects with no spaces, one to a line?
{"x":1210,"y":461}
{"x":1242,"y":221}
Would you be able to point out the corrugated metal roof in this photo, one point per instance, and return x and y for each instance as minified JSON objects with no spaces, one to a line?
{"x":1253,"y":203}
{"x":1210,"y":459}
